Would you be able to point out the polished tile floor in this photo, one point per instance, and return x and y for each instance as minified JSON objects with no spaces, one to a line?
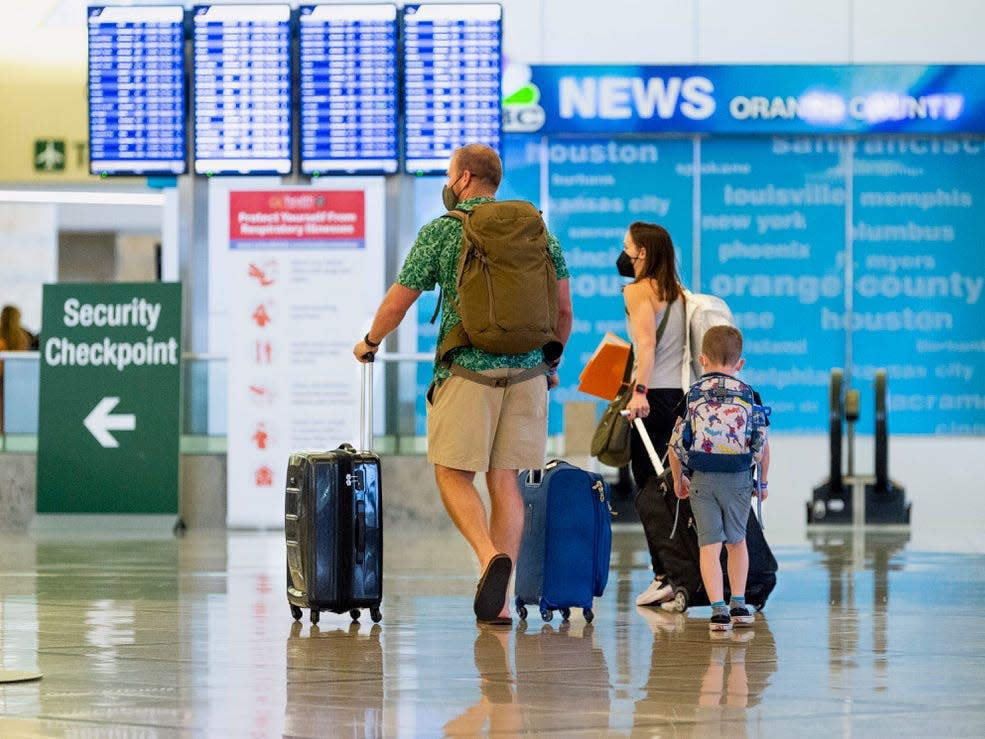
{"x":140,"y":634}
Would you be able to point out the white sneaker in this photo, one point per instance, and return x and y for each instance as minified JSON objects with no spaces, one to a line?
{"x":656,"y":592}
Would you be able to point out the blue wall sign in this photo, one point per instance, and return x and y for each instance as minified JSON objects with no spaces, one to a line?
{"x":744,"y":99}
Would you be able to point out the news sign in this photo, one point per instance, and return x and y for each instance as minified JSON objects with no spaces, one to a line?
{"x":744,"y":99}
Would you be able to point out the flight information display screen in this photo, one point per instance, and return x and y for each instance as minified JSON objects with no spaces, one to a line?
{"x":452,"y":81}
{"x":242,"y":89}
{"x":348,"y":89}
{"x":137,"y":91}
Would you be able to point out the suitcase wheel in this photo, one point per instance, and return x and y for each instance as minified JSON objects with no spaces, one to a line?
{"x":680,"y":600}
{"x":565,"y":614}
{"x":296,"y":612}
{"x":354,"y":614}
{"x":374,"y":613}
{"x":315,"y":615}
{"x":546,"y":615}
{"x":589,"y":615}
{"x":521,"y":611}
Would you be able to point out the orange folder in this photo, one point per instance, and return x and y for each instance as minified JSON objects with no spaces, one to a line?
{"x":604,"y":370}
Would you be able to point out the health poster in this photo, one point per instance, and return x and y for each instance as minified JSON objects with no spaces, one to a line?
{"x":772,"y":245}
{"x":304,"y":271}
{"x":919,"y":272}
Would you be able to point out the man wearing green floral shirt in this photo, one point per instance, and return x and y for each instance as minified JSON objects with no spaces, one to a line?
{"x":474,"y":427}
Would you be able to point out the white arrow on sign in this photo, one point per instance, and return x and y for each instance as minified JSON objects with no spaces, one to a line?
{"x":100,"y":422}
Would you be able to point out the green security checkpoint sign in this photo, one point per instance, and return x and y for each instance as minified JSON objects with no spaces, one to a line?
{"x":109,"y":424}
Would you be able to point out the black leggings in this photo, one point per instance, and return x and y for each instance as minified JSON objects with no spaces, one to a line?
{"x":659,"y":424}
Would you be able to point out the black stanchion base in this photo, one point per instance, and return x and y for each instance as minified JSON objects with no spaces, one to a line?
{"x":830,"y":507}
{"x":886,"y":505}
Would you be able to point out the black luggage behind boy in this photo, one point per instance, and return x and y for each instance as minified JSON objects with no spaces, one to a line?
{"x":669,"y":527}
{"x":658,"y":508}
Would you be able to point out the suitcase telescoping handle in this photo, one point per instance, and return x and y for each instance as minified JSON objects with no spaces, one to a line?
{"x":366,"y":404}
{"x":654,"y":459}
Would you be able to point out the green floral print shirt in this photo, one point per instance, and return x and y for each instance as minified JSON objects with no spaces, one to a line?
{"x":433,"y":261}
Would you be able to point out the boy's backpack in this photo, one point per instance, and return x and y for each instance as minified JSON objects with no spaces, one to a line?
{"x":723,"y":429}
{"x":701,"y":312}
{"x":507,"y":282}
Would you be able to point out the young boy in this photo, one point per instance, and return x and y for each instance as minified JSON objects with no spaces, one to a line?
{"x":718,"y":446}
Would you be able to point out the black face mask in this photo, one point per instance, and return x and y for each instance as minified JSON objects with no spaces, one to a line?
{"x":624,"y":264}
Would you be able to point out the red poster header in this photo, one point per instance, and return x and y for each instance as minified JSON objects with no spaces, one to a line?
{"x":268,"y":219}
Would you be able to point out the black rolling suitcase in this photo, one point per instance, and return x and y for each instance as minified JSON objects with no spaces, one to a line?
{"x":670,"y":529}
{"x":333,"y":525}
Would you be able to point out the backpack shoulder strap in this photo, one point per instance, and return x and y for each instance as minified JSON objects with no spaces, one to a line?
{"x":459,"y":215}
{"x":457,"y":336}
{"x":689,"y":307}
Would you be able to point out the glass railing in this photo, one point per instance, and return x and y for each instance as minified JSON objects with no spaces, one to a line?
{"x":203,"y":398}
{"x":204,"y":386}
{"x":21,"y":390}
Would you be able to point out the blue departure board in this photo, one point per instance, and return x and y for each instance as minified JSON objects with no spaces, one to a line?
{"x":452,"y":81}
{"x":137,"y":91}
{"x":242,"y":89}
{"x":348,"y":89}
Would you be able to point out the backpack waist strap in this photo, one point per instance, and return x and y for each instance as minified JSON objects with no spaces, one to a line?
{"x":538,"y":370}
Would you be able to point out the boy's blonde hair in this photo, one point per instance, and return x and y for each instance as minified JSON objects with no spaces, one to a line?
{"x":722,"y":345}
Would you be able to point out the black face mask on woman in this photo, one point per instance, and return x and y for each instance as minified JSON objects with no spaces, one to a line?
{"x":624,"y":264}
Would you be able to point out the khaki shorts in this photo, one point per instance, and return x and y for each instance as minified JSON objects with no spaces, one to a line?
{"x":475,"y":427}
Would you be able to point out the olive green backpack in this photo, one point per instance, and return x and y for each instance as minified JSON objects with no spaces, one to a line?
{"x":507,"y":282}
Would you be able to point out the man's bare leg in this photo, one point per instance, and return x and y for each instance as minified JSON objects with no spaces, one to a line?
{"x":467,"y":511}
{"x":506,"y":519}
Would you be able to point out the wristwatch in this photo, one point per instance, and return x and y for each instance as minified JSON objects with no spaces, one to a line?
{"x":640,"y":388}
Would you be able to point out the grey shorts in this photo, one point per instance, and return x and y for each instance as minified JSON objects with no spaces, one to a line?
{"x":720,"y":502}
{"x":475,"y":427}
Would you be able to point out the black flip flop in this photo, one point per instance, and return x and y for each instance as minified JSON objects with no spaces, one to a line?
{"x":490,"y":596}
{"x":498,"y":621}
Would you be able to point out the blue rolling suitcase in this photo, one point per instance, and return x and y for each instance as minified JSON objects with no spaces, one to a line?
{"x":333,"y":525}
{"x":567,"y":540}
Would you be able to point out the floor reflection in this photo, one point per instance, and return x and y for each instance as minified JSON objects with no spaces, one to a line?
{"x":557,"y":676}
{"x":334,"y":680}
{"x":140,"y":634}
{"x":849,"y":555}
{"x":697,"y":677}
